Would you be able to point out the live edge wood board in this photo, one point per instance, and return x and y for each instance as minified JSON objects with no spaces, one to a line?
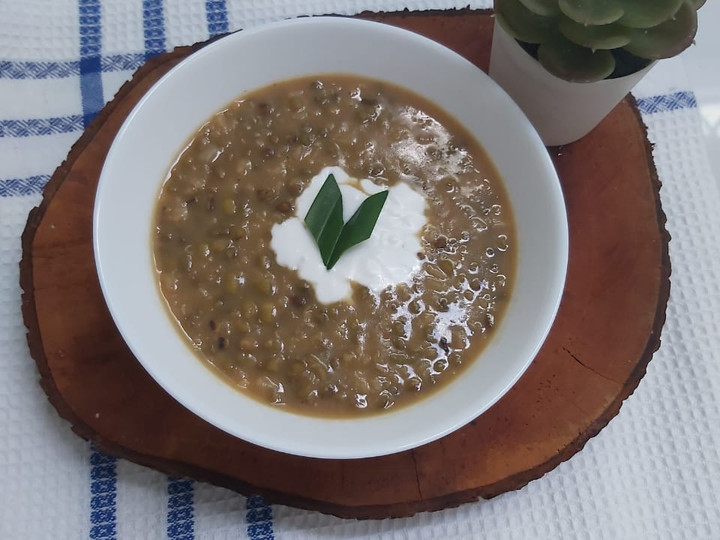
{"x":606,"y":331}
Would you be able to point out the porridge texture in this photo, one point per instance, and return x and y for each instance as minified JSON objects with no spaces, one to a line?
{"x":261,"y":325}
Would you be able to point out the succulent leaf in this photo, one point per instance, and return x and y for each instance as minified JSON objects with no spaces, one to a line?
{"x":523,"y":24}
{"x":667,"y":39}
{"x":648,"y":13}
{"x":606,"y":36}
{"x":574,"y":63}
{"x":592,"y":11}
{"x":573,"y":38}
{"x":627,"y":64}
{"x":547,"y":8}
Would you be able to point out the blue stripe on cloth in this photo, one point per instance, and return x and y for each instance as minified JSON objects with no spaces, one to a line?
{"x":17,"y":187}
{"x":103,"y":496}
{"x":38,"y":70}
{"x":63,"y":70}
{"x":180,"y":516}
{"x":153,"y":27}
{"x":217,"y":17}
{"x":33,"y":127}
{"x":667,"y":102}
{"x":91,"y":87}
{"x":121,"y":62}
{"x":259,"y":519}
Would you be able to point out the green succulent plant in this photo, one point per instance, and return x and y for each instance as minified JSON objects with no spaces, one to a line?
{"x":591,"y":40}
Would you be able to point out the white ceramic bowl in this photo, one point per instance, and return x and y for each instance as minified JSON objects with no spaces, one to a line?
{"x":194,"y":90}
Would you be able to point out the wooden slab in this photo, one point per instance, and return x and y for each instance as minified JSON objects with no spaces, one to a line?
{"x":606,"y":331}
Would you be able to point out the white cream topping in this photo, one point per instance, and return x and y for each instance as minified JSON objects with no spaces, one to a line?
{"x":388,"y":257}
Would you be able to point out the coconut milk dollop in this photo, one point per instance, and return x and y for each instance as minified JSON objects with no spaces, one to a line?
{"x":388,"y":257}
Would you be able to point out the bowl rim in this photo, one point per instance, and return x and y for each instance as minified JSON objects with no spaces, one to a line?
{"x":396,"y":439}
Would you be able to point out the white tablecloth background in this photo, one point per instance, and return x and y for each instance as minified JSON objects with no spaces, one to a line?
{"x":653,"y":473}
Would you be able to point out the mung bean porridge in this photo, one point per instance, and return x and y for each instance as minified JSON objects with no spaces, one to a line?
{"x":261,"y":325}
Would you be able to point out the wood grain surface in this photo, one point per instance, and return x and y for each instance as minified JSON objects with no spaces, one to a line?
{"x":606,"y":331}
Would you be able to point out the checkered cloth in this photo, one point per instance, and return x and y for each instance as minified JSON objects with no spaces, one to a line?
{"x":654,"y":472}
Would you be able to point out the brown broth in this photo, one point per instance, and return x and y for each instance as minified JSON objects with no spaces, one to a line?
{"x":258,"y":323}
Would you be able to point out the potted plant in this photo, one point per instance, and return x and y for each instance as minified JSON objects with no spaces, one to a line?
{"x":567,"y":63}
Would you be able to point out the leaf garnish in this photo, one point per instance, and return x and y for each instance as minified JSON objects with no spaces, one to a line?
{"x":360,"y":226}
{"x":325,"y":222}
{"x":325,"y":218}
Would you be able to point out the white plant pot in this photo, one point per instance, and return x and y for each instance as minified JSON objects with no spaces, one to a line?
{"x":561,"y":111}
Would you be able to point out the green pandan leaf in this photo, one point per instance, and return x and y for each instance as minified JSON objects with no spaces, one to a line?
{"x":360,"y":226}
{"x":574,"y":63}
{"x":592,"y":11}
{"x":606,"y":36}
{"x":523,"y":24}
{"x":547,"y":8}
{"x":697,"y":4}
{"x":648,"y":13}
{"x":325,"y":221}
{"x":667,"y":39}
{"x":325,"y":218}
